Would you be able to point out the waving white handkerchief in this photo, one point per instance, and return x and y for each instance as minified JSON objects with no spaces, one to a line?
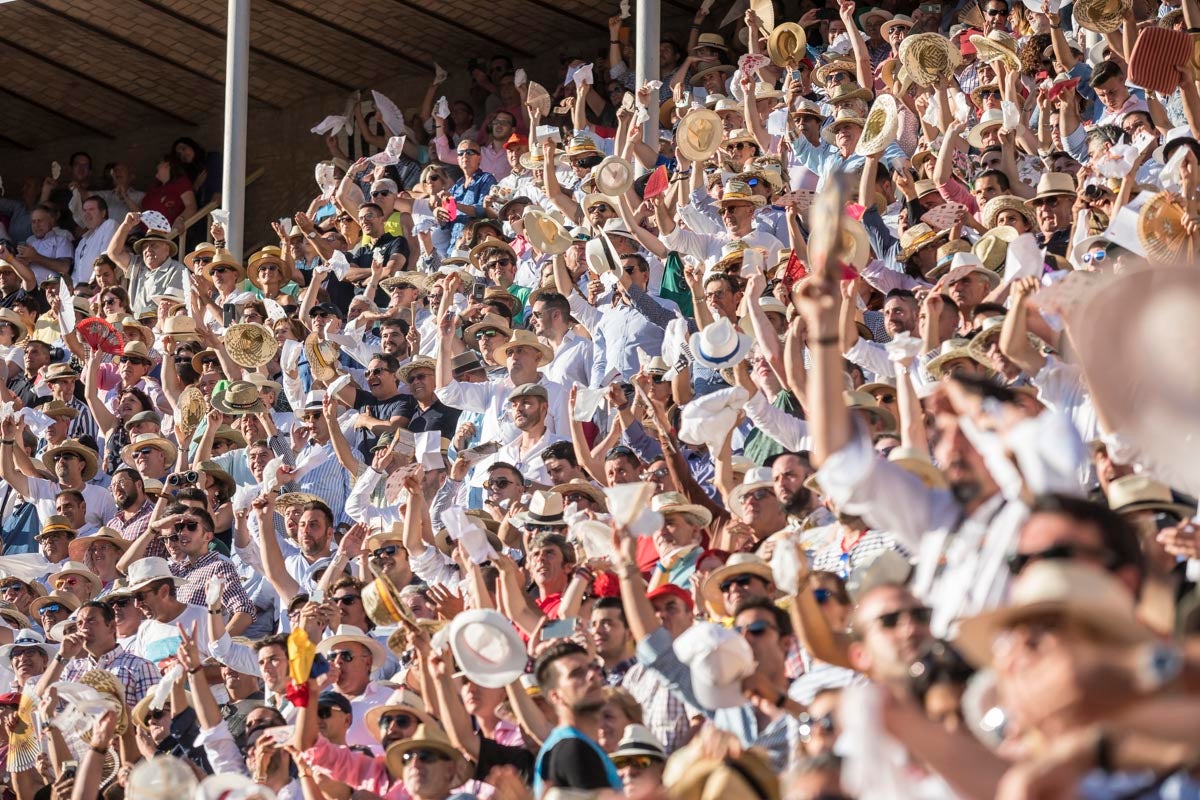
{"x":439,"y":74}
{"x":333,"y":124}
{"x":583,"y":75}
{"x":274,"y":310}
{"x":442,"y":109}
{"x":37,"y":422}
{"x":66,"y":307}
{"x":391,"y":154}
{"x":708,"y":419}
{"x":473,"y":538}
{"x":25,"y":567}
{"x":326,"y":179}
{"x":270,"y":480}
{"x":339,"y":264}
{"x":903,"y":346}
{"x":587,"y":403}
{"x":520,"y":78}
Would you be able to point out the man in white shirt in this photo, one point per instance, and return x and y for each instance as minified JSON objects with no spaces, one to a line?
{"x":572,"y":363}
{"x":49,"y":250}
{"x":527,"y":406}
{"x":737,"y":207}
{"x":94,"y":242}
{"x":73,"y":465}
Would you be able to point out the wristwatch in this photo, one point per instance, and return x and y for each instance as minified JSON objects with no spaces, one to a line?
{"x":1157,"y":665}
{"x":311,"y":234}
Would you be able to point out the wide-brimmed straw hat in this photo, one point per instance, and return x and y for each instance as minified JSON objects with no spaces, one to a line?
{"x":1005,"y":202}
{"x":990,"y":120}
{"x":224,"y":258}
{"x":155,"y":236}
{"x":1101,"y":16}
{"x":676,"y":503}
{"x":614,"y":175}
{"x":738,"y":191}
{"x":1142,"y":493}
{"x":322,"y":358}
{"x":428,"y":737}
{"x":882,"y":124}
{"x":250,"y":344}
{"x":90,"y":459}
{"x":699,"y":134}
{"x":950,"y":350}
{"x":1052,"y":184}
{"x":992,"y":247}
{"x":239,"y":397}
{"x":787,"y":43}
{"x":157,"y":441}
{"x":844,"y":116}
{"x":524,"y":338}
{"x":928,"y":56}
{"x":997,"y":46}
{"x":917,"y":237}
{"x":546,"y":233}
{"x":738,"y":564}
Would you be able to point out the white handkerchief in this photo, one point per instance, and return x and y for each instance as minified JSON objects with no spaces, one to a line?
{"x":777,"y":122}
{"x":1024,"y":258}
{"x":429,"y":450}
{"x":654,"y":86}
{"x":391,"y":154}
{"x":933,"y":115}
{"x":1010,"y":114}
{"x":752,"y":262}
{"x":624,"y":9}
{"x":339,"y":264}
{"x":596,"y":537}
{"x":285,"y":223}
{"x":326,"y":179}
{"x":355,"y":348}
{"x":960,"y":107}
{"x":442,"y":109}
{"x":462,"y":528}
{"x":642,"y":116}
{"x":583,"y":75}
{"x":7,"y":410}
{"x":520,"y":78}
{"x":333,"y":124}
{"x":66,"y":308}
{"x":647,"y":523}
{"x":221,"y":217}
{"x":587,"y":403}
{"x":626,"y":500}
{"x":786,"y":567}
{"x":903,"y":345}
{"x":439,"y":73}
{"x":274,"y":310}
{"x":339,"y":383}
{"x":389,"y":113}
{"x":37,"y":422}
{"x":270,"y":479}
{"x":289,"y":356}
{"x":25,"y":566}
{"x":547,"y":132}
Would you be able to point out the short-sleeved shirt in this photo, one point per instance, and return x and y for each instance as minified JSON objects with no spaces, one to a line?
{"x":438,"y":417}
{"x":100,"y":505}
{"x":366,"y":403}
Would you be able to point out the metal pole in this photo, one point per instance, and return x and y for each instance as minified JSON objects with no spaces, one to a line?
{"x":233,"y":174}
{"x":646,"y":56}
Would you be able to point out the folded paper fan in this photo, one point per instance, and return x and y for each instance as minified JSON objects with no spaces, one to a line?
{"x":99,"y":335}
{"x":155,"y":221}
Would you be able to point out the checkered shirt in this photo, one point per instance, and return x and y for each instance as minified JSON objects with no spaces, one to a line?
{"x":197,"y":575}
{"x":833,"y":558}
{"x":135,"y":673}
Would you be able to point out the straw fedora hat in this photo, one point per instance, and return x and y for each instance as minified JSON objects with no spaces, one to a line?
{"x":1101,"y":16}
{"x":65,"y":599}
{"x":927,"y":57}
{"x":225,"y":433}
{"x":787,"y":44}
{"x":150,"y":238}
{"x":713,"y":40}
{"x":545,"y":232}
{"x":992,"y":247}
{"x":699,"y":134}
{"x":90,"y":460}
{"x":154,"y":440}
{"x":693,"y":774}
{"x":11,"y":317}
{"x":990,"y":120}
{"x":917,"y":462}
{"x":486,"y":322}
{"x":78,"y":569}
{"x":533,"y":159}
{"x":181,"y":328}
{"x":417,"y":280}
{"x":676,"y":503}
{"x":428,"y":737}
{"x":950,"y":350}
{"x":1005,"y":202}
{"x":614,"y":175}
{"x":918,"y":237}
{"x":487,"y":648}
{"x":883,"y":121}
{"x":1071,"y":589}
{"x":250,"y":344}
{"x":580,"y":486}
{"x":865,"y":402}
{"x":1051,"y":184}
{"x":1142,"y":493}
{"x":1161,"y":232}
{"x":845,"y":93}
{"x":898,"y":21}
{"x":844,"y":117}
{"x":580,"y":146}
{"x":59,"y":410}
{"x":224,"y":259}
{"x":545,"y":510}
{"x":821,"y":74}
{"x":402,"y":699}
{"x":989,"y":333}
{"x":719,"y":345}
{"x":203,"y":250}
{"x":267,"y":255}
{"x":738,"y":564}
{"x":190,"y":409}
{"x":717,"y":69}
{"x":965,"y":264}
{"x":997,"y":46}
{"x":240,"y":398}
{"x":491,"y":242}
{"x":524,"y":338}
{"x":322,"y":358}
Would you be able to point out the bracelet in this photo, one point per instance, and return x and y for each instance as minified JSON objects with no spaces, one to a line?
{"x":7,"y":441}
{"x":614,"y":41}
{"x":215,"y":611}
{"x":194,"y":670}
{"x":828,"y":340}
{"x":101,"y":750}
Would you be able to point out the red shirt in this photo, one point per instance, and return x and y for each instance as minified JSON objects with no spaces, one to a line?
{"x":167,"y":199}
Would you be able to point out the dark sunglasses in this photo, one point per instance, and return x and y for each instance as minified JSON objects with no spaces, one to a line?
{"x":990,"y":93}
{"x":468,"y":152}
{"x":600,"y":207}
{"x":400,"y":720}
{"x":346,"y":599}
{"x":425,"y":757}
{"x":64,"y":456}
{"x":758,"y":494}
{"x":133,"y":360}
{"x":156,"y":713}
{"x":637,"y":762}
{"x":920,"y":616}
{"x":319,"y":314}
{"x":381,"y":193}
{"x":190,"y":525}
{"x":345,"y":656}
{"x":822,"y":596}
{"x":756,"y":628}
{"x":51,"y":608}
{"x":325,"y":712}
{"x":220,"y":270}
{"x":376,"y":371}
{"x":1059,"y":552}
{"x":386,"y":550}
{"x":12,"y":587}
{"x":498,"y":483}
{"x":997,"y":12}
{"x":741,"y":580}
{"x":145,"y":451}
{"x":500,"y":262}
{"x":489,"y":333}
{"x":120,"y":602}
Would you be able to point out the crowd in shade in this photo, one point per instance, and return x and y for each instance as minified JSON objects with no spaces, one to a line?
{"x":817,"y":422}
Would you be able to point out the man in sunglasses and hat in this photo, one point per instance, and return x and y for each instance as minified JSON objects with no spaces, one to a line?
{"x":152,"y":267}
{"x":73,"y":465}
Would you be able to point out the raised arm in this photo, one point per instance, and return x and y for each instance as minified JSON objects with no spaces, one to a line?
{"x":91,"y":393}
{"x":583,"y":453}
{"x":1014,"y":335}
{"x":274,"y":566}
{"x":829,"y":418}
{"x":10,"y":428}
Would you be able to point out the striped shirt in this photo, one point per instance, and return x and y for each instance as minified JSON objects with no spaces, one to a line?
{"x":329,"y":480}
{"x":131,"y":528}
{"x":136,"y":674}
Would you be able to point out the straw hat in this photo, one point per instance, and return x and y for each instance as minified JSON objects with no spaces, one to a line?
{"x":881,"y":126}
{"x":487,"y":648}
{"x":240,"y":398}
{"x":545,"y":232}
{"x":1142,"y":493}
{"x":719,"y":345}
{"x":154,"y":236}
{"x":322,"y":358}
{"x":402,"y":699}
{"x":267,"y":255}
{"x":224,"y":258}
{"x":181,"y":328}
{"x":989,"y":333}
{"x":637,"y":740}
{"x":1160,"y":229}
{"x":676,"y":503}
{"x":821,"y":74}
{"x":699,"y":134}
{"x":59,"y":409}
{"x":898,"y":21}
{"x":917,"y":462}
{"x":992,"y":247}
{"x":545,"y":509}
{"x":1052,"y":184}
{"x":918,"y":237}
{"x":486,"y":322}
{"x":1101,"y":16}
{"x":1006,"y":202}
{"x":693,"y":774}
{"x":524,"y":338}
{"x":580,"y":146}
{"x":862,"y":401}
{"x":1079,"y":592}
{"x":79,"y":569}
{"x":928,"y":56}
{"x":417,"y":280}
{"x":844,"y":117}
{"x":90,"y":461}
{"x":205,"y":249}
{"x":350,"y":634}
{"x":250,"y":344}
{"x":738,"y":564}
{"x":12,"y":318}
{"x":990,"y":120}
{"x":997,"y":46}
{"x":190,"y":409}
{"x":154,"y":440}
{"x":950,"y":350}
{"x":490,"y":243}
{"x":428,"y":737}
{"x":614,"y":175}
{"x":787,"y":44}
{"x":65,"y":599}
{"x":845,"y":93}
{"x":738,"y":191}
{"x":580,"y":486}
{"x":533,"y":159}
{"x":718,"y":69}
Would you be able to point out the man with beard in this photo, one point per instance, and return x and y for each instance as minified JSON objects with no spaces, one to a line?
{"x":73,"y":464}
{"x":382,"y":409}
{"x":610,"y":637}
{"x":286,"y":564}
{"x":789,"y":471}
{"x":900,"y":313}
{"x":528,"y":405}
{"x":570,"y":757}
{"x":551,"y":318}
{"x":890,"y":630}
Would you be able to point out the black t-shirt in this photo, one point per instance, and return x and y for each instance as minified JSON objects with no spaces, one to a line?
{"x":492,"y":754}
{"x":574,"y":764}
{"x":438,"y":417}
{"x":366,"y":403}
{"x":362,"y":256}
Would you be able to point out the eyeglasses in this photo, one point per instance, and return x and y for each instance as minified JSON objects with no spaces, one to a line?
{"x":758,"y":494}
{"x":319,"y":314}
{"x":156,"y":713}
{"x":425,"y":757}
{"x":1059,"y":552}
{"x":145,"y":451}
{"x":1095,"y":258}
{"x":600,"y":207}
{"x":809,"y":724}
{"x":346,"y":599}
{"x":544,"y":528}
{"x":140,"y":597}
{"x":202,"y":261}
{"x":375,"y":371}
{"x":822,"y":596}
{"x":838,"y":77}
{"x":190,"y":525}
{"x":756,"y":628}
{"x":11,"y":587}
{"x":133,"y":360}
{"x":740,"y":146}
{"x":919,"y":616}
{"x":576,"y":498}
{"x":65,"y":456}
{"x":386,"y":550}
{"x":989,"y":93}
{"x":433,"y":178}
{"x":108,"y":301}
{"x":637,"y":762}
{"x":742,"y":581}
{"x":381,"y":193}
{"x":400,"y":720}
{"x":500,"y":262}
{"x":345,"y":656}
{"x":997,"y":12}
{"x":269,"y":268}
{"x":51,"y":608}
{"x":489,"y":333}
{"x":119,"y":602}
{"x":468,"y":152}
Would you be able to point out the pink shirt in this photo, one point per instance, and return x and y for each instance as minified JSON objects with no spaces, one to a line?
{"x":355,"y":769}
{"x":493,"y":160}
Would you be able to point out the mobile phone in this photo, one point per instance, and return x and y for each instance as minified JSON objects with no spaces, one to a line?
{"x":796,"y":76}
{"x":559,"y":629}
{"x":69,"y":768}
{"x":931,"y":8}
{"x":228,"y":312}
{"x":451,"y":208}
{"x":477,"y":292}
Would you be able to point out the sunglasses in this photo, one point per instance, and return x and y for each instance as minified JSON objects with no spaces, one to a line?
{"x":425,"y":757}
{"x":657,"y":475}
{"x":919,"y":616}
{"x":120,"y":602}
{"x":345,"y":656}
{"x":600,"y":207}
{"x":373,"y":372}
{"x":156,"y":713}
{"x":637,"y":762}
{"x":433,"y":178}
{"x":346,"y":599}
{"x":64,"y":456}
{"x":325,"y":712}
{"x":822,"y":596}
{"x":1059,"y":552}
{"x":11,"y":587}
{"x":145,"y":451}
{"x":498,"y":483}
{"x":990,"y":93}
{"x":220,"y":270}
{"x":839,"y":76}
{"x":269,"y":268}
{"x":319,"y":314}
{"x":133,"y":360}
{"x":741,"y":580}
{"x":400,"y":720}
{"x":386,"y":550}
{"x":108,"y":301}
{"x":190,"y":525}
{"x":997,"y":12}
{"x":758,"y":494}
{"x":381,"y":193}
{"x":809,"y":724}
{"x":487,"y":334}
{"x":52,"y":608}
{"x":201,"y":261}
{"x":740,"y":146}
{"x":576,"y":498}
{"x":756,"y":628}
{"x":1095,"y":258}
{"x":70,"y":582}
{"x":140,"y":597}
{"x":500,"y":262}
{"x":468,"y":152}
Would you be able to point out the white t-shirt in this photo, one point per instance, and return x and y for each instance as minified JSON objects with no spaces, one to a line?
{"x":100,"y":505}
{"x":158,"y":641}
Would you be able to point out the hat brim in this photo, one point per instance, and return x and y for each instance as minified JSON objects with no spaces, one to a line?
{"x":90,"y":461}
{"x":137,"y":246}
{"x":168,"y":450}
{"x":717,"y":364}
